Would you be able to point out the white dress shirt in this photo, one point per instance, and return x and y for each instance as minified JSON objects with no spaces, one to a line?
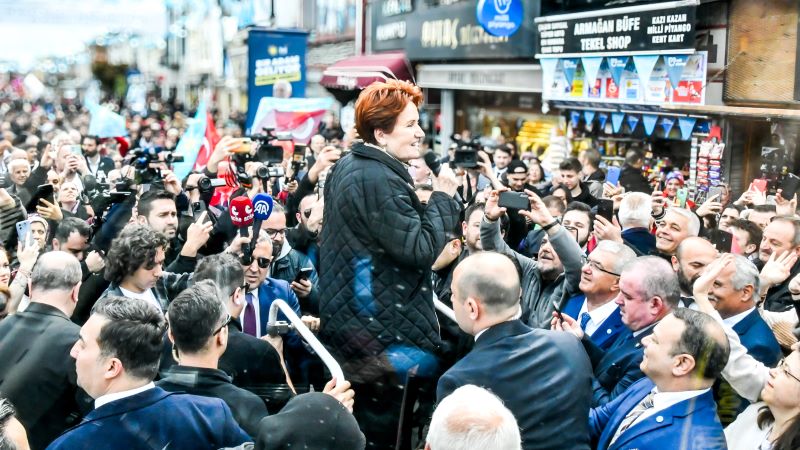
{"x":596,"y":316}
{"x":733,"y":320}
{"x":663,"y":400}
{"x":108,"y":398}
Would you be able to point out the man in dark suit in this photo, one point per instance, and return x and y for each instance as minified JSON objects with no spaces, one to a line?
{"x":551,"y":401}
{"x":648,"y":290}
{"x":595,"y":309}
{"x":116,"y":358}
{"x":630,"y":177}
{"x":99,"y":166}
{"x":37,"y":374}
{"x":673,"y":407}
{"x":733,"y":295}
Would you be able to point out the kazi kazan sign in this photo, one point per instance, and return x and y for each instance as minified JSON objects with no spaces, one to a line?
{"x":654,"y":28}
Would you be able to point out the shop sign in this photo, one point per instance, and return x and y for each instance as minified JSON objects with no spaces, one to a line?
{"x":507,"y":78}
{"x":500,"y":17}
{"x":389,"y":24}
{"x":646,"y":29}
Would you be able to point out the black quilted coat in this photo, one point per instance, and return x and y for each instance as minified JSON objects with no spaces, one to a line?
{"x":378,"y":243}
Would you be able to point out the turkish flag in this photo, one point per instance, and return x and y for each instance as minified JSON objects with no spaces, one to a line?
{"x":210,"y":141}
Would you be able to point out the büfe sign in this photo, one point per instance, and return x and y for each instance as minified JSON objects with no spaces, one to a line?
{"x":648,"y":28}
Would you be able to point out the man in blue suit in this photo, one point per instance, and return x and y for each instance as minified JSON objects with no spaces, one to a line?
{"x":543,"y":377}
{"x":595,"y":309}
{"x":648,"y":291}
{"x":116,"y":360}
{"x":733,"y":294}
{"x":673,"y":408}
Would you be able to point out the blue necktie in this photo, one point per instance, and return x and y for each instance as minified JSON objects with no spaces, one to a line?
{"x":249,"y":325}
{"x":585,"y":318}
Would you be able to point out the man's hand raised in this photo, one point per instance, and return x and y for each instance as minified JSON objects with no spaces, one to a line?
{"x":492,"y":210}
{"x":539,"y":214}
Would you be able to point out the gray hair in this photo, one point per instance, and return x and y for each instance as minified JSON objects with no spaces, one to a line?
{"x":634,"y":210}
{"x":473,"y":418}
{"x":224,"y":270}
{"x":658,"y":279}
{"x":56,"y":271}
{"x":694,"y":221}
{"x":746,"y":273}
{"x":623,"y":254}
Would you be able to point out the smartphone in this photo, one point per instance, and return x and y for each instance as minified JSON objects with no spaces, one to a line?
{"x":716,"y":190}
{"x":299,"y":153}
{"x":303,"y":274}
{"x":722,"y":240}
{"x":759,"y":184}
{"x":682,"y":195}
{"x":76,"y":150}
{"x":45,"y":192}
{"x":661,"y":184}
{"x":514,"y":200}
{"x":789,"y":186}
{"x":558,"y":311}
{"x":24,"y":232}
{"x":613,"y":175}
{"x":605,"y":209}
{"x":245,"y":146}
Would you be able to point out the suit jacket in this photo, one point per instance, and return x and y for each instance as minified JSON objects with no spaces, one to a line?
{"x":542,"y":376}
{"x":688,"y":425}
{"x":640,"y":240}
{"x":247,"y":408}
{"x":760,"y":342}
{"x":37,"y":373}
{"x":618,"y":367}
{"x":607,"y":332}
{"x":250,"y":361}
{"x":105,"y":166}
{"x":155,"y":419}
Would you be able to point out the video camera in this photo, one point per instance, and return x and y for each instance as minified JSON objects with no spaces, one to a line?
{"x":466,"y":154}
{"x":267,"y":153}
{"x":148,"y":164}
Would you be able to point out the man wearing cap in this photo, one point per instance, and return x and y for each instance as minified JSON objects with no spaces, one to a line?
{"x":516,"y":178}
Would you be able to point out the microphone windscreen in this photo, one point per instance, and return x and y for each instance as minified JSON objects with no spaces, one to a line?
{"x":262,"y":205}
{"x":433,"y":163}
{"x":241,"y":211}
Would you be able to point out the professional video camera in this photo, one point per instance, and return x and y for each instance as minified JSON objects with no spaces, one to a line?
{"x":267,"y":153}
{"x":148,"y":164}
{"x":466,"y":154}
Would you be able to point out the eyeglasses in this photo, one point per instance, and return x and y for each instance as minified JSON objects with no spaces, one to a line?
{"x":785,"y":368}
{"x":272,"y":233}
{"x":594,"y":265}
{"x":224,"y":324}
{"x":307,"y":213}
{"x":247,"y":260}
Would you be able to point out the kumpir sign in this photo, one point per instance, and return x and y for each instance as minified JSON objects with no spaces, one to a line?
{"x":607,"y":32}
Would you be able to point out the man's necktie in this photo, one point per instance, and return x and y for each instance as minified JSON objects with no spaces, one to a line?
{"x":634,"y":414}
{"x":585,"y":318}
{"x":249,"y":324}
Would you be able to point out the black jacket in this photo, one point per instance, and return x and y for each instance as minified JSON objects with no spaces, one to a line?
{"x":250,"y":361}
{"x":542,"y":376}
{"x":37,"y":373}
{"x":288,"y":267}
{"x":376,"y":250}
{"x":778,"y":297}
{"x":632,"y":180}
{"x":247,"y":408}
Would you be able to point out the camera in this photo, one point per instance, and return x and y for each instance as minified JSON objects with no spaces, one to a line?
{"x":207,"y":185}
{"x":466,"y":154}
{"x":298,"y":160}
{"x":148,"y":164}
{"x":267,"y":172}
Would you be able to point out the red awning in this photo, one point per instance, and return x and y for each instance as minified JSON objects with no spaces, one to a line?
{"x":358,"y":72}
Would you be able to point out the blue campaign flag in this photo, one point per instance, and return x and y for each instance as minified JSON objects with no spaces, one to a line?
{"x":190,"y":143}
{"x":105,"y":123}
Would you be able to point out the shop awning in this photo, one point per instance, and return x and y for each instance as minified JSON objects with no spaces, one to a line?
{"x":358,"y":72}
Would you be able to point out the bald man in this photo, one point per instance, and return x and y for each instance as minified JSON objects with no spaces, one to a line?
{"x":552,"y":400}
{"x":690,"y":259}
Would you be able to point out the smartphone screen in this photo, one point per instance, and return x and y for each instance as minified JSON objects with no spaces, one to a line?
{"x":613,"y":175}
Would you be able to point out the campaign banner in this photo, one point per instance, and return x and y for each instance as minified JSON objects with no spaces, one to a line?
{"x":274,"y":56}
{"x":298,"y":116}
{"x":649,"y":28}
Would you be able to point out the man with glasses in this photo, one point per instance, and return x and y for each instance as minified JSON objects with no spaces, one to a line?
{"x":198,"y":329}
{"x":648,"y":291}
{"x":290,"y":265}
{"x":595,"y":309}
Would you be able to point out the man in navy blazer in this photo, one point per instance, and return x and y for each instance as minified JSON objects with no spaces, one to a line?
{"x":595,"y":309}
{"x":733,"y":295}
{"x":648,"y":291}
{"x":542,"y":376}
{"x":673,"y":408}
{"x":116,"y":359}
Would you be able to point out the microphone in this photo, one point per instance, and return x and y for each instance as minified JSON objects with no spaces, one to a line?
{"x":433,"y":163}
{"x":241,"y":211}
{"x":262,"y":206}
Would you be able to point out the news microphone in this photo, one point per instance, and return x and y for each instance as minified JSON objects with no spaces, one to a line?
{"x":262,"y":207}
{"x":241,"y":211}
{"x":433,"y":163}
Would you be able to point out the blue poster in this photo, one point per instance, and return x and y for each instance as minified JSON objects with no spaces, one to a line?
{"x":274,"y":56}
{"x":616,"y":65}
{"x":500,"y":17}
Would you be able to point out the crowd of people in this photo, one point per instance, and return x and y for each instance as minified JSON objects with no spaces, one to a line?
{"x":136,"y":305}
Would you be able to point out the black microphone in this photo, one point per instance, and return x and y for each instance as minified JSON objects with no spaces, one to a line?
{"x":433,"y":163}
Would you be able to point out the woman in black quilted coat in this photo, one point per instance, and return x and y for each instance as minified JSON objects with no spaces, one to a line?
{"x":377,"y":246}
